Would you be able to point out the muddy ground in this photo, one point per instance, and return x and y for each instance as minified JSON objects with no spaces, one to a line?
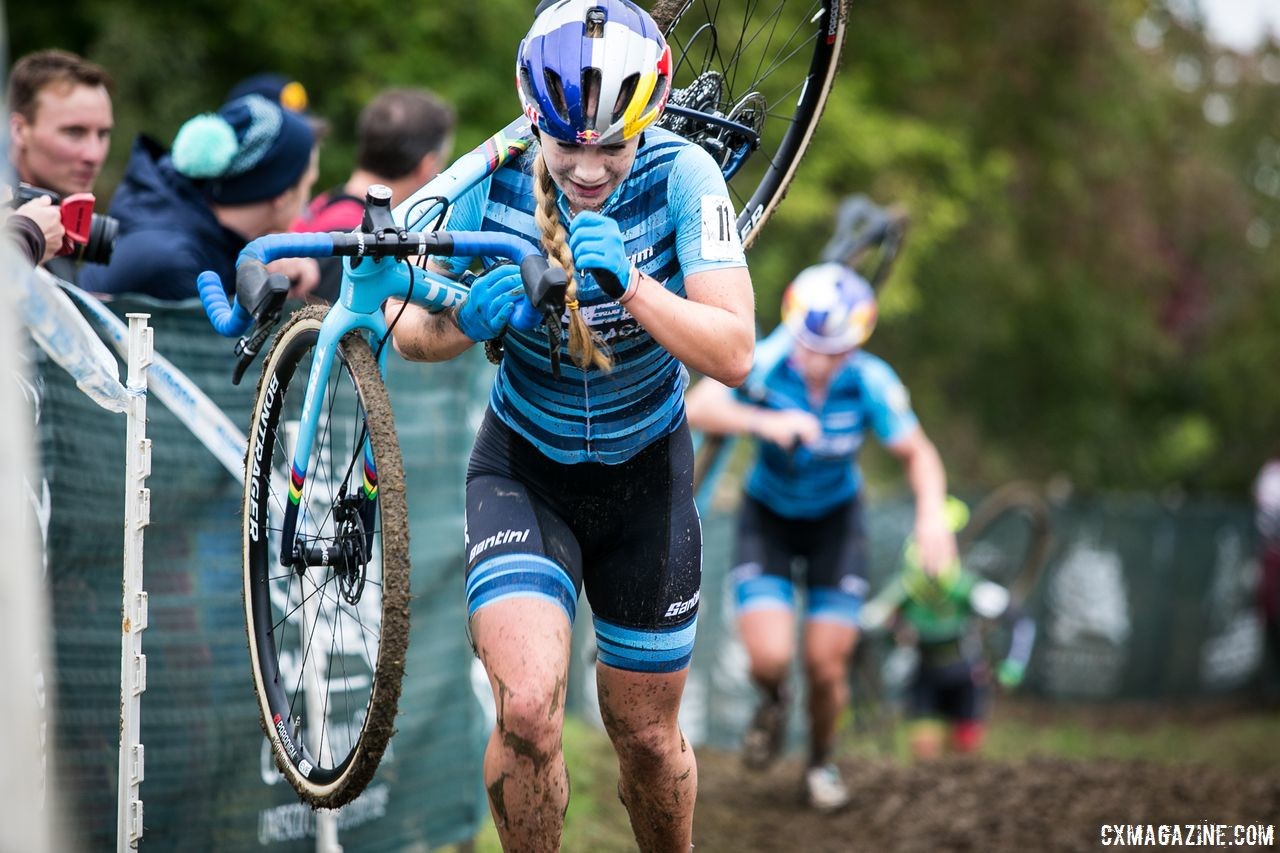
{"x":960,"y":805}
{"x":1040,"y":804}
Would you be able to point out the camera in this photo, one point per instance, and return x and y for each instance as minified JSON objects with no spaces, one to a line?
{"x":90,"y":236}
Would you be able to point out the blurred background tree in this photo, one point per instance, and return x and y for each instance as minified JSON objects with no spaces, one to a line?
{"x":1089,"y":289}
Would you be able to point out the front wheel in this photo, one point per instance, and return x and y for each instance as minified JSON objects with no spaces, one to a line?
{"x":327,"y":622}
{"x":749,"y":84}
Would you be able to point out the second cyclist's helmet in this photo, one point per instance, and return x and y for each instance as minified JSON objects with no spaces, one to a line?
{"x":829,"y":308}
{"x":593,"y":72}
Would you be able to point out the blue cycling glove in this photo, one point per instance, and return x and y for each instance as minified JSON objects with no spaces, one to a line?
{"x":493,"y":299}
{"x":597,"y":246}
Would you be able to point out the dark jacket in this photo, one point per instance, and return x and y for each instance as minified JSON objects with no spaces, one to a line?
{"x":28,"y":237}
{"x":168,"y":233}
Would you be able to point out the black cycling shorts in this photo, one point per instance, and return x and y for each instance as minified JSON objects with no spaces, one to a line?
{"x":832,"y":548}
{"x":949,"y":692}
{"x":629,"y":534}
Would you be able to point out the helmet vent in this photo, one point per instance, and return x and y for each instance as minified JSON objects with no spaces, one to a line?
{"x":595,"y":23}
{"x":555,"y":89}
{"x":526,"y":85}
{"x":659,"y":91}
{"x":590,"y":94}
{"x":625,"y":94}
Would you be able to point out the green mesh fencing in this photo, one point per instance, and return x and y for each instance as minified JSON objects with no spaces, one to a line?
{"x":209,"y":780}
{"x":1148,"y":601}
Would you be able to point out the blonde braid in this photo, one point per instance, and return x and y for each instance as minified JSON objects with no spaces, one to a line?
{"x":585,"y":346}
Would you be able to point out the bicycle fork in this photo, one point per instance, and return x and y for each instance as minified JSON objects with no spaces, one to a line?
{"x":354,"y":512}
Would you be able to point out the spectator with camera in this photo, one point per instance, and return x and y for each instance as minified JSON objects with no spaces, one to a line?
{"x":60,"y":123}
{"x":231,"y":177}
{"x":37,"y":228}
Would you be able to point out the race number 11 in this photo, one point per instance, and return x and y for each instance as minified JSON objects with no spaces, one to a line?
{"x":719,"y":232}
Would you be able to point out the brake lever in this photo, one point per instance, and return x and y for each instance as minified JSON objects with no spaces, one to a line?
{"x":247,"y":347}
{"x":265,"y":293}
{"x":554,"y":338}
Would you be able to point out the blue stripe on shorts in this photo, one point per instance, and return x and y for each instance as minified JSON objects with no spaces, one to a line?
{"x":510,"y":575}
{"x":645,"y":650}
{"x":833,"y":605}
{"x":765,"y":592}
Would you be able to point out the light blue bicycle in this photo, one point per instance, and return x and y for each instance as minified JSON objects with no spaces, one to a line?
{"x":325,"y":526}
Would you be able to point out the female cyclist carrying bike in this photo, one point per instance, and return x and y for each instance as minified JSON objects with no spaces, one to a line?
{"x":812,"y":396}
{"x":581,"y":474}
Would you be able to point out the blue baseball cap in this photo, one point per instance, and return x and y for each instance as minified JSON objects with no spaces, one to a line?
{"x":285,"y":91}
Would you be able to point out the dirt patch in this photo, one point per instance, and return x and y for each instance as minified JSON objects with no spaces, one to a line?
{"x":969,"y":804}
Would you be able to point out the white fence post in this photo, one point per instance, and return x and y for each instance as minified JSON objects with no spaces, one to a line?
{"x":137,"y":515}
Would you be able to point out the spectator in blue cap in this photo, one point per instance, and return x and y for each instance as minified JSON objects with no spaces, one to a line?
{"x":285,"y":91}
{"x":231,"y":176}
{"x":288,"y":93}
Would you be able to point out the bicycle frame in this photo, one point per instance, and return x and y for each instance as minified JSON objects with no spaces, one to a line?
{"x":360,"y":309}
{"x":468,"y":170}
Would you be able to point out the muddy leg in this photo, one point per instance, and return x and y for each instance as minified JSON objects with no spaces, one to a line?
{"x":828,"y":646}
{"x":658,"y":776}
{"x":524,"y":646}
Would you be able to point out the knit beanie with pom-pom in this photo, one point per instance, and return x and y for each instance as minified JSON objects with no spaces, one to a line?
{"x":250,"y":150}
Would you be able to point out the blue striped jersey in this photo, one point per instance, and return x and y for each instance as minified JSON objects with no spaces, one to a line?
{"x":676,"y":219}
{"x":865,"y":396}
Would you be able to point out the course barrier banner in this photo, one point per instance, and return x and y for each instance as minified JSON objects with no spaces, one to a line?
{"x":210,"y":783}
{"x":171,"y":387}
{"x":65,"y":336}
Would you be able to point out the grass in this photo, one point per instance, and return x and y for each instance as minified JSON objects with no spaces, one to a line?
{"x":1233,"y":739}
{"x":1238,"y":741}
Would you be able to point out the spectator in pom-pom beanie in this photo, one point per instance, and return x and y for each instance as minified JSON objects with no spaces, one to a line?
{"x":231,"y":176}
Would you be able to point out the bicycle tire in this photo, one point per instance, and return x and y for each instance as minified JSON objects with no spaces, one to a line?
{"x":775,"y":78}
{"x":337,"y":634}
{"x":1022,"y":500}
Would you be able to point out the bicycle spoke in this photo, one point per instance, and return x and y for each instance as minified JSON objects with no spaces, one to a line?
{"x":302,"y":667}
{"x":761,"y":72}
{"x":289,"y":614}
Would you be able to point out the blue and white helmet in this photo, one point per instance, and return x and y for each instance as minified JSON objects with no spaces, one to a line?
{"x":829,"y":308}
{"x":593,"y":72}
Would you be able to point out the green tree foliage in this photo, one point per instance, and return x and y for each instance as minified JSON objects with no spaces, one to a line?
{"x":1089,"y":284}
{"x":1090,"y":271}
